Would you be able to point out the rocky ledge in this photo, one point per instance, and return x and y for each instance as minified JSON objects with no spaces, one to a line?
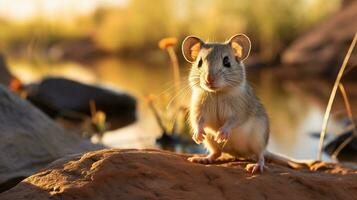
{"x":155,"y":174}
{"x":30,"y":140}
{"x":321,"y":50}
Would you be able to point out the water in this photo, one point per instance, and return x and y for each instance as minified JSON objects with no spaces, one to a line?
{"x":295,"y":113}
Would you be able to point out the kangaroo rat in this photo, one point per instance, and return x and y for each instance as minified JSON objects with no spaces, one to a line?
{"x":225,"y":113}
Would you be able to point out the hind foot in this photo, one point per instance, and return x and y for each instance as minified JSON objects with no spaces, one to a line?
{"x":254,"y":168}
{"x":257,"y":167}
{"x":205,"y":160}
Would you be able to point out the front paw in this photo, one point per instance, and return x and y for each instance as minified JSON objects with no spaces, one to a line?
{"x":222,"y":135}
{"x":199,"y":136}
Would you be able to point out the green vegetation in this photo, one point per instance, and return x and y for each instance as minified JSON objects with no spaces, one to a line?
{"x":137,"y":27}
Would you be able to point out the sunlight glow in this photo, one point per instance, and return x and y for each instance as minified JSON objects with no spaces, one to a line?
{"x":23,"y":10}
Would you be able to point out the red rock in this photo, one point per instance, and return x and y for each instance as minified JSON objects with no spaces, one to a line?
{"x":155,"y":174}
{"x":322,"y":50}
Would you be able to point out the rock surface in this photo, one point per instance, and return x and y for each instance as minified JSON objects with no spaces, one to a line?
{"x":154,"y":174}
{"x":5,"y":75}
{"x":30,"y":140}
{"x":322,"y":50}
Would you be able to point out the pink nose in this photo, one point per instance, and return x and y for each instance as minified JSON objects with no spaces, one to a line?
{"x":210,"y":79}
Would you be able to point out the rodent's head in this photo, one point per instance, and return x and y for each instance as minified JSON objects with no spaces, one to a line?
{"x":216,"y":66}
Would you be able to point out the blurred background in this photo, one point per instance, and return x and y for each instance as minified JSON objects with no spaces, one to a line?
{"x":298,"y":47}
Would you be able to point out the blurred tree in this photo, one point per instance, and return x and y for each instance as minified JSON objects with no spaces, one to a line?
{"x":141,"y":24}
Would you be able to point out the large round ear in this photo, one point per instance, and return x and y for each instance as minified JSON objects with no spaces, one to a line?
{"x":241,"y":45}
{"x":191,"y":46}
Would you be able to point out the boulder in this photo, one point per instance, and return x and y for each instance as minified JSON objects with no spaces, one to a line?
{"x":321,"y":51}
{"x":30,"y":140}
{"x":60,"y":97}
{"x":155,"y":174}
{"x":5,"y":75}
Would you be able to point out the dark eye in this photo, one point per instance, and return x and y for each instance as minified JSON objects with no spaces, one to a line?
{"x":226,"y":62}
{"x":199,"y":63}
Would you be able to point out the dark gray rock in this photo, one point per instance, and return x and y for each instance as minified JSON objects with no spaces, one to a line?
{"x":349,"y":152}
{"x":60,"y":96}
{"x":30,"y":140}
{"x":5,"y":75}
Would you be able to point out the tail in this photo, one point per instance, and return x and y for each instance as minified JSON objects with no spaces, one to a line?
{"x":288,"y":162}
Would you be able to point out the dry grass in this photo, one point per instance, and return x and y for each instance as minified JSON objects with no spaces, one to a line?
{"x":332,"y":96}
{"x":350,"y":117}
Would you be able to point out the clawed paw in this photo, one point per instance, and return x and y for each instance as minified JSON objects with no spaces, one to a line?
{"x":222,"y":135}
{"x":255,"y":168}
{"x":199,"y":136}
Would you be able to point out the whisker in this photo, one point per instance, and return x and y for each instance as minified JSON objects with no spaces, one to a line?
{"x":171,"y":88}
{"x":182,"y":90}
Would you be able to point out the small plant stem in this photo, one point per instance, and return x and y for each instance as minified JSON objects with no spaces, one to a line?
{"x":157,"y":116}
{"x":176,"y":73}
{"x":93,"y":109}
{"x":176,"y":70}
